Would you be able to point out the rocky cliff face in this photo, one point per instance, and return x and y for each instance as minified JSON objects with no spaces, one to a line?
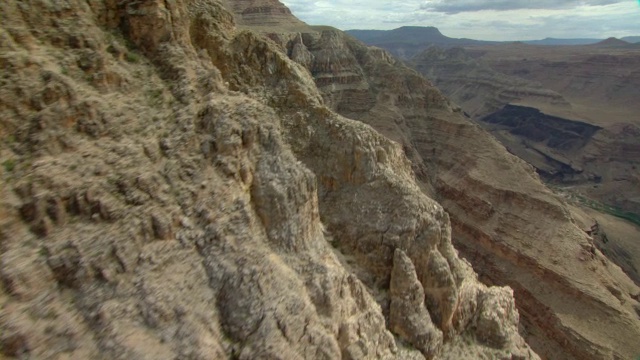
{"x":476,"y":87}
{"x":601,"y":75}
{"x":505,"y":221}
{"x":264,"y":14}
{"x":174,"y":187}
{"x":590,"y":85}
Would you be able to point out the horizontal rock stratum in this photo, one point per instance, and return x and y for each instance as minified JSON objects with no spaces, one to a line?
{"x":174,"y":185}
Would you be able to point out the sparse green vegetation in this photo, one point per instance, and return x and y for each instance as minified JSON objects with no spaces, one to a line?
{"x":9,"y":165}
{"x":154,"y":93}
{"x":154,"y":96}
{"x":629,"y":216}
{"x":595,"y":205}
{"x":132,"y":57}
{"x":633,"y":217}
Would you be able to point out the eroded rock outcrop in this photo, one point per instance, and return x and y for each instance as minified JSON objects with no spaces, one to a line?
{"x":513,"y":229}
{"x":171,"y":189}
{"x":408,"y":315}
{"x":264,"y":14}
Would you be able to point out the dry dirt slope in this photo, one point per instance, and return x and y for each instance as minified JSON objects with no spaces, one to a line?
{"x":505,"y":221}
{"x":170,"y":185}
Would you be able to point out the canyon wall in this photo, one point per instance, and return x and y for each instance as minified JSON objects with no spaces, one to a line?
{"x":575,"y":303}
{"x":175,"y":186}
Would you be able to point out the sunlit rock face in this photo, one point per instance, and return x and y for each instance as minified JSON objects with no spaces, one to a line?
{"x":177,"y":187}
{"x":509,"y":226}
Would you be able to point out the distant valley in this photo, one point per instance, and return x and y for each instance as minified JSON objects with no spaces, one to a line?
{"x":566,"y":106}
{"x":596,"y":84}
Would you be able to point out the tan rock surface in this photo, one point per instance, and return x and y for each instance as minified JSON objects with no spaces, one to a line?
{"x":513,"y":229}
{"x":594,"y":86}
{"x":408,"y":315}
{"x":584,"y":141}
{"x":171,"y":187}
{"x":265,"y":15}
{"x":475,"y":86}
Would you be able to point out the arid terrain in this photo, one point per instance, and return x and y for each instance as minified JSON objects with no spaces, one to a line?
{"x":570,"y":111}
{"x":206,"y":179}
{"x":584,"y":134}
{"x":595,"y":85}
{"x":601,"y":82}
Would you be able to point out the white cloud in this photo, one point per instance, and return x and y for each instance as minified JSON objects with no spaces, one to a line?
{"x":458,"y":6}
{"x":480,"y":19}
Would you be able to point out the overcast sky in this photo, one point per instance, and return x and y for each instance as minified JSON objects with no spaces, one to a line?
{"x":481,"y":19}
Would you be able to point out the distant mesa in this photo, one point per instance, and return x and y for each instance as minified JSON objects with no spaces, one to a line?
{"x":612,"y":42}
{"x":423,"y":36}
{"x":557,"y":42}
{"x":407,"y":41}
{"x":405,"y":34}
{"x":632,"y":39}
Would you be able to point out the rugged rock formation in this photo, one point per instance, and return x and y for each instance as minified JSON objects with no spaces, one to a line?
{"x":264,"y":14}
{"x":603,"y":84}
{"x":476,"y":87}
{"x":505,"y":221}
{"x":408,"y":315}
{"x":173,"y":186}
{"x":599,"y":85}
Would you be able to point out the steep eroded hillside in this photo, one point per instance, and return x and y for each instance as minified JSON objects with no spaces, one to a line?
{"x":175,"y":187}
{"x":512,"y":228}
